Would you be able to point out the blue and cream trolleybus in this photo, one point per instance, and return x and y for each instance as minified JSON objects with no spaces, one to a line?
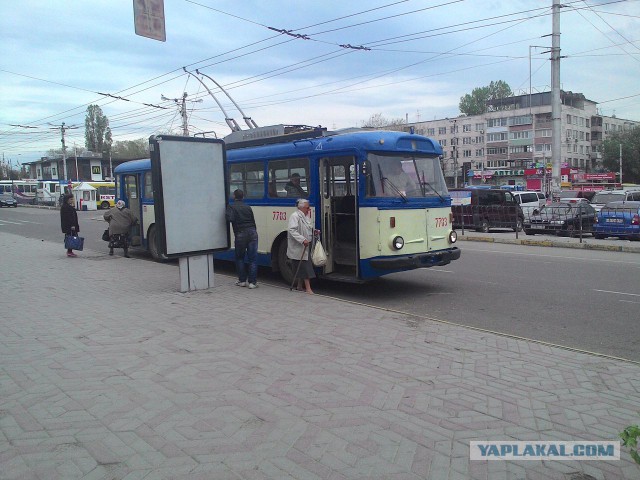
{"x":378,"y":197}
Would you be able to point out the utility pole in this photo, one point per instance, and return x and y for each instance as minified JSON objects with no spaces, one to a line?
{"x":75,"y":154}
{"x":63,"y":129}
{"x":182,"y":108}
{"x":620,"y":157}
{"x":556,"y":114}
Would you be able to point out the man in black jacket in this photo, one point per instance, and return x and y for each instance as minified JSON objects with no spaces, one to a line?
{"x":246,"y":239}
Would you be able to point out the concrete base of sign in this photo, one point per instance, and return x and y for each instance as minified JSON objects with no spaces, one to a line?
{"x":196,"y":272}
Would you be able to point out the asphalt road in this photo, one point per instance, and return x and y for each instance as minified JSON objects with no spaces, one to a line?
{"x":583,"y":299}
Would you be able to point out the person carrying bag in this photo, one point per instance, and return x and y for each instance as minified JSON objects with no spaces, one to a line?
{"x":69,"y":226}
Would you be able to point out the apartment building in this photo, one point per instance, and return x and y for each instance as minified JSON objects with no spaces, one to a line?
{"x":515,"y":134}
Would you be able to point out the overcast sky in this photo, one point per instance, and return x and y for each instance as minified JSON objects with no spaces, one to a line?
{"x":59,"y":56}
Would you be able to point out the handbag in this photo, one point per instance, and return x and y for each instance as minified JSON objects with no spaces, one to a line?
{"x":105,"y":235}
{"x":72,"y":242}
{"x":318,"y":256}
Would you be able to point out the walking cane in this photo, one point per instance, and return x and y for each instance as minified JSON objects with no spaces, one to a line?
{"x":298,"y":269}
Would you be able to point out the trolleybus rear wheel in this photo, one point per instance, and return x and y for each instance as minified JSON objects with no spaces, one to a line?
{"x":284,"y":264}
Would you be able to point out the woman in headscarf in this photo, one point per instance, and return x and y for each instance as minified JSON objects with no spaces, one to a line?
{"x":120,"y":220}
{"x":69,"y":220}
{"x":299,"y":236}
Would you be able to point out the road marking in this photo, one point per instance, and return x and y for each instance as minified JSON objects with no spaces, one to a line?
{"x":501,"y":252}
{"x":2,"y":222}
{"x":629,"y":301}
{"x":617,"y":293}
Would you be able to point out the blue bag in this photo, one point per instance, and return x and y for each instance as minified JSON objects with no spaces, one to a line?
{"x":73,"y":243}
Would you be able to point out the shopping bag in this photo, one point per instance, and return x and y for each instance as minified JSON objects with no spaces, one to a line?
{"x":105,"y":235}
{"x":73,"y":243}
{"x":318,"y":257}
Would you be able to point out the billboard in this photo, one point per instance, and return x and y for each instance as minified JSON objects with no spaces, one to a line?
{"x":190,"y":194}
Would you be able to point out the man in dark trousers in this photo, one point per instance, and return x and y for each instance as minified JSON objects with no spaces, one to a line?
{"x":246,"y":239}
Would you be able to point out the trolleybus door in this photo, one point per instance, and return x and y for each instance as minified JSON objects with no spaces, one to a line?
{"x":339,"y":221}
{"x":132,"y":199}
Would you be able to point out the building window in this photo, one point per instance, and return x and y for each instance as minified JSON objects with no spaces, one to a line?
{"x":442,"y":130}
{"x":443,"y":142}
{"x":543,"y":147}
{"x":479,"y":127}
{"x":497,"y":122}
{"x":466,"y":128}
{"x":568,"y":119}
{"x":431,"y":131}
{"x":524,"y":134}
{"x":497,"y":137}
{"x":479,"y":152}
{"x":466,"y":141}
{"x":466,"y":153}
{"x":545,"y":132}
{"x":521,"y":120}
{"x":453,"y":129}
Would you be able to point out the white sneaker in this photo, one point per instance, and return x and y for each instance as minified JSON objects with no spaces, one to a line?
{"x":253,"y":285}
{"x":241,"y":284}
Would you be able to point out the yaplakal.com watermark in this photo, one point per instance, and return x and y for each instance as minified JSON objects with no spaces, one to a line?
{"x":544,"y":450}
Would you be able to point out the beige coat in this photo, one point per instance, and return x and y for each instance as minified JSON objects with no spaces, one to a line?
{"x":300,"y":229}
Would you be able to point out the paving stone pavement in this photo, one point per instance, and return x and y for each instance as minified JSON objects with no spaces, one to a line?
{"x":107,"y":372}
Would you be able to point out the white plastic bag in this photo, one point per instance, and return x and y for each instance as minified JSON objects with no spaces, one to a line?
{"x":318,"y":257}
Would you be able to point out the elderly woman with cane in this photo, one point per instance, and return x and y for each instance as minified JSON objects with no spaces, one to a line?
{"x":299,"y":239}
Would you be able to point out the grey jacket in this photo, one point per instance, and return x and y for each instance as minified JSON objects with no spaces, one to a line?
{"x":300,"y":229}
{"x":119,"y":220}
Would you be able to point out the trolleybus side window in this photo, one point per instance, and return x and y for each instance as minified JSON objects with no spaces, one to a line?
{"x":282,"y":181}
{"x":148,"y":186}
{"x":248,"y":177}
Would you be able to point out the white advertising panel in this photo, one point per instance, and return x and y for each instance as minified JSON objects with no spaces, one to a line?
{"x":190,"y":194}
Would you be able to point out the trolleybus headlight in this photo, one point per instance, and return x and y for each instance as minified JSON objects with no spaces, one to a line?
{"x":453,"y":236}
{"x":398,"y":243}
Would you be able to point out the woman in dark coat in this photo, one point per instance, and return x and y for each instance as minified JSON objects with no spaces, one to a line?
{"x":69,"y":220}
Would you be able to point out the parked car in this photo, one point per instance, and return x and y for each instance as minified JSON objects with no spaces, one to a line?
{"x":8,"y":201}
{"x":618,"y":219}
{"x":576,"y":194}
{"x":483,"y":209}
{"x":561,"y":219}
{"x":604,"y":197}
{"x":529,"y":201}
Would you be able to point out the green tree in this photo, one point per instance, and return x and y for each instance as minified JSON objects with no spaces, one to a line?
{"x":378,"y":121}
{"x":97,"y":134}
{"x":630,"y":141}
{"x":476,"y":103}
{"x":130,"y":149}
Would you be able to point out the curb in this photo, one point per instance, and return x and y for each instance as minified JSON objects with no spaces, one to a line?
{"x":551,"y":243}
